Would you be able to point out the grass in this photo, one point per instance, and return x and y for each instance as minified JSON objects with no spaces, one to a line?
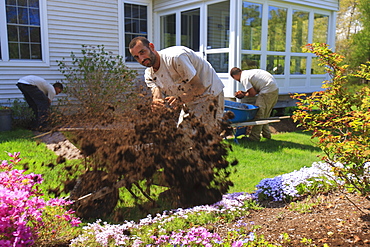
{"x":36,"y":157}
{"x":284,"y":153}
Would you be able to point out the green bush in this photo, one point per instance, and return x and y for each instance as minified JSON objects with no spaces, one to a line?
{"x":22,"y":114}
{"x":96,"y":80}
{"x":340,"y":119}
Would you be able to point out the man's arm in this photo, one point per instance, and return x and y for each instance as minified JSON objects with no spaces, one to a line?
{"x":250,"y":93}
{"x":158,"y":100}
{"x":156,"y":93}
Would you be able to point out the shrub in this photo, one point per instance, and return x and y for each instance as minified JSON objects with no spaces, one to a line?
{"x":339,"y":118}
{"x":96,"y":80}
{"x":22,"y":114}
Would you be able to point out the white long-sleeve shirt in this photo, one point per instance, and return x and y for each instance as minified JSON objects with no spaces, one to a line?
{"x":39,"y":82}
{"x":178,"y":66}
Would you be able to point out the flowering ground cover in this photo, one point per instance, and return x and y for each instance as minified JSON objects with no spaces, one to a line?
{"x":326,"y":219}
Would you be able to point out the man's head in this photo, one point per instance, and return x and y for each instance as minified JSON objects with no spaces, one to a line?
{"x":235,"y":73}
{"x":58,"y":87}
{"x":143,"y":51}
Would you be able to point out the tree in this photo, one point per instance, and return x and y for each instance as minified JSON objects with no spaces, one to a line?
{"x":361,"y":39}
{"x":347,"y":25}
{"x":353,"y":32}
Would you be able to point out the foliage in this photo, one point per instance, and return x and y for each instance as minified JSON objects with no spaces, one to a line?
{"x":360,"y":52}
{"x":339,"y":119}
{"x":348,"y":24}
{"x":22,"y":206}
{"x":97,"y":79}
{"x":22,"y":114}
{"x":304,"y":206}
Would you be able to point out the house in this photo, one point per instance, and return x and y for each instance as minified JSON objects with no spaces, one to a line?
{"x":266,"y":34}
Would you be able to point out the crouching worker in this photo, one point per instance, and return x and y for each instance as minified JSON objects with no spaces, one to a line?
{"x":38,"y":94}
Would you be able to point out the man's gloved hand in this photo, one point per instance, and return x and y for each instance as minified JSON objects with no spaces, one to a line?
{"x":239,"y":94}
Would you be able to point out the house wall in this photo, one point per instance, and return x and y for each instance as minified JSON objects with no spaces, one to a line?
{"x":69,"y":25}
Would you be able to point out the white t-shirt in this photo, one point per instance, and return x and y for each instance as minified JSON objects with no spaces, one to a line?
{"x":39,"y":82}
{"x":261,"y":80}
{"x":178,"y":66}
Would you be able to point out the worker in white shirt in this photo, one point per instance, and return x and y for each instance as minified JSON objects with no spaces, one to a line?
{"x":261,"y":83}
{"x":178,"y":76}
{"x":38,"y":94}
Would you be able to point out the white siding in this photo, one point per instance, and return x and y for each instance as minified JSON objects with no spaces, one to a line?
{"x":71,"y":24}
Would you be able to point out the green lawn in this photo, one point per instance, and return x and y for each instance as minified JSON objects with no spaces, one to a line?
{"x":36,"y":157}
{"x":284,"y":153}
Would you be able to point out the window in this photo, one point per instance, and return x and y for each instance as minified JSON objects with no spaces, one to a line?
{"x":250,"y":61}
{"x":275,"y":64}
{"x":251,"y":26}
{"x":299,"y":30}
{"x":320,"y":28}
{"x":298,"y":65}
{"x":218,"y":25}
{"x":190,"y":29}
{"x":186,"y":33}
{"x":218,"y":34}
{"x":219,"y":61}
{"x":23,"y":29}
{"x":277,"y":26}
{"x":168,"y":27}
{"x":136,"y":24}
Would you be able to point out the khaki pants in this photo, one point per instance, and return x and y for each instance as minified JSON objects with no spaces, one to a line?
{"x":266,"y":103}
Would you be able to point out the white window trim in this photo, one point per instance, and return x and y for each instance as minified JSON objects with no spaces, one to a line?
{"x":177,"y":12}
{"x":121,"y":26}
{"x":45,"y":61}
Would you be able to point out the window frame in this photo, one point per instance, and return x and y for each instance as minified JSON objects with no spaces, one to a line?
{"x":121,"y":25}
{"x":264,"y":53}
{"x":45,"y":58}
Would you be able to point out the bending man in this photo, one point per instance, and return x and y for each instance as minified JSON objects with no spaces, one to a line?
{"x":261,"y":83}
{"x":39,"y":94}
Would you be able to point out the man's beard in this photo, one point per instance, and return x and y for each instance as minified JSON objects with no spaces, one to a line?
{"x":152,"y":59}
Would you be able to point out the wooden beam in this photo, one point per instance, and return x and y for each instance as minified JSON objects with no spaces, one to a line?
{"x":257,"y":122}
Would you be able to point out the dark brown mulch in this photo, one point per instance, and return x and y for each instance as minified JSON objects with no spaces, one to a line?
{"x":336,"y":219}
{"x":285,"y":125}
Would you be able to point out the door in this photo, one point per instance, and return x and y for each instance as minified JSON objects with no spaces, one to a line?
{"x":181,"y":28}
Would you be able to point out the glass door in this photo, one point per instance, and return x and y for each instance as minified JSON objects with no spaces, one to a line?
{"x":181,"y":28}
